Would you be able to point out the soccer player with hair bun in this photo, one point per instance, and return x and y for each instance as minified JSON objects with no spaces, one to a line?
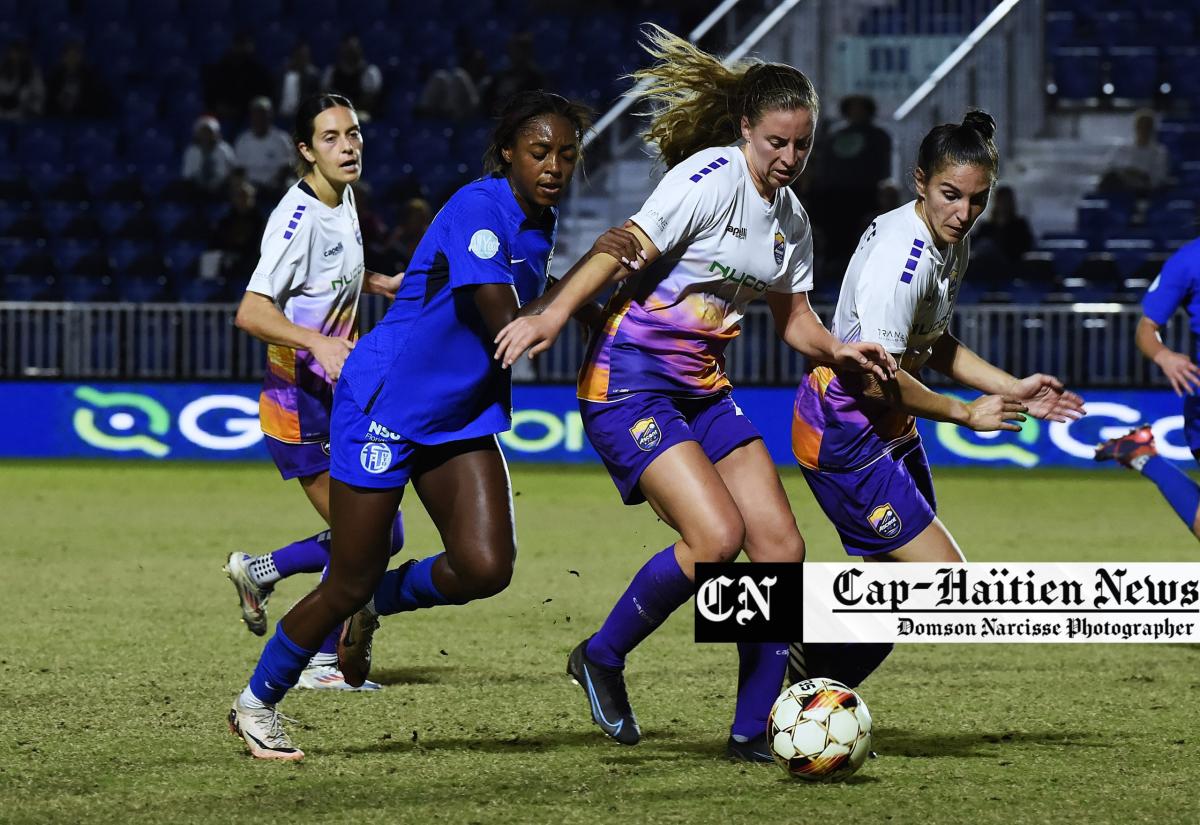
{"x":421,"y":400}
{"x":856,"y":438}
{"x":302,"y":301}
{"x":721,"y":229}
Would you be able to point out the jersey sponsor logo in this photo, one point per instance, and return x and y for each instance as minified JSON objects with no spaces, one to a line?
{"x":914,"y":257}
{"x":646,"y":434}
{"x":731,"y":274}
{"x":708,"y":170}
{"x":375,"y":457}
{"x":333,"y":250}
{"x":780,"y":246}
{"x":484,"y":244}
{"x":885,"y":521}
{"x":738,"y":232}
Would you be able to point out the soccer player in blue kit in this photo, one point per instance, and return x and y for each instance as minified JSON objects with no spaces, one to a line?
{"x":421,"y":400}
{"x":1177,"y":285}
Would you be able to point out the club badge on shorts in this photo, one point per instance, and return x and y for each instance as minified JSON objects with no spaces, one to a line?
{"x":780,"y":246}
{"x":375,"y":457}
{"x":885,"y":521}
{"x":646,"y":434}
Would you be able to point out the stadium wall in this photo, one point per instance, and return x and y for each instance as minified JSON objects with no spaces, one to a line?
{"x":219,"y":421}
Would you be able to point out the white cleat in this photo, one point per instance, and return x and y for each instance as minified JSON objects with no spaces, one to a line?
{"x":253,"y":599}
{"x":262,"y":731}
{"x":328,"y":677}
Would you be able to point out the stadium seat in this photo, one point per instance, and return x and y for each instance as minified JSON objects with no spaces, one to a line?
{"x":181,"y":258}
{"x":1128,"y":253}
{"x":1060,"y":30}
{"x":1077,"y":74}
{"x":1183,"y":72}
{"x":1069,"y":252}
{"x":69,"y":252}
{"x":114,"y":215}
{"x":23,"y":287}
{"x":142,"y":289}
{"x":201,"y":291}
{"x":129,"y":256}
{"x":85,"y":288}
{"x":1133,"y":73}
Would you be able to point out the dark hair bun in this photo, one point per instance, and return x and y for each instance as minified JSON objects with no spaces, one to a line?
{"x":981,"y":122}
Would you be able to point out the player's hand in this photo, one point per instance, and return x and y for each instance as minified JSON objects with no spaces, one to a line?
{"x":389,"y":286}
{"x":866,"y":357}
{"x":1046,"y":398}
{"x":534,"y":333}
{"x":988,"y":413}
{"x":331,"y":354}
{"x":622,"y":245}
{"x":1180,"y":371}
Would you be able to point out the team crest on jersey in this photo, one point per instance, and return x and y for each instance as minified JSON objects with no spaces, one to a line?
{"x":646,"y":434}
{"x":375,"y":457}
{"x":885,"y":521}
{"x":780,"y":245}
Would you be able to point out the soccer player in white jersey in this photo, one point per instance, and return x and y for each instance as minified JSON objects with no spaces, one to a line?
{"x":721,"y":229}
{"x":302,"y":300}
{"x":856,"y":440}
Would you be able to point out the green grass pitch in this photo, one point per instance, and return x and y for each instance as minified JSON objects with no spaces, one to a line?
{"x":122,"y":650}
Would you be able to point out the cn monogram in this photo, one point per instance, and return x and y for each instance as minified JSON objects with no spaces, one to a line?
{"x":714,"y":602}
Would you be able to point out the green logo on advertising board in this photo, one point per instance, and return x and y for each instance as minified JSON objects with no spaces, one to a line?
{"x":84,"y":421}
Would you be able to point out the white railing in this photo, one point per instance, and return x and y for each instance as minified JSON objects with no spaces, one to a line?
{"x":998,"y":68}
{"x":1082,"y":344}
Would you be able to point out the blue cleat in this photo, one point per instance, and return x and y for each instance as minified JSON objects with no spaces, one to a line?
{"x":607,"y":699}
{"x":752,"y":750}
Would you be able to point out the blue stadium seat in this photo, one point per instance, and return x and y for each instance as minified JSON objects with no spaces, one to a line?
{"x":1077,"y":73}
{"x":142,"y":289}
{"x":128,"y":255}
{"x":68,"y":252}
{"x":156,"y":147}
{"x":104,"y":11}
{"x":23,"y":287}
{"x":1183,"y":72}
{"x":1060,"y":30}
{"x":1133,"y":73}
{"x":113,"y":215}
{"x":1096,"y":218}
{"x":114,"y":182}
{"x":87,"y":288}
{"x":181,"y":257}
{"x":201,"y":291}
{"x":1068,"y":251}
{"x":1128,"y":254}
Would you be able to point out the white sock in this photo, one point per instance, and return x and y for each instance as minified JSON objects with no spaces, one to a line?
{"x":263,"y":571}
{"x":323,"y":660}
{"x":370,"y":607}
{"x":249,"y":700}
{"x":1140,"y":462}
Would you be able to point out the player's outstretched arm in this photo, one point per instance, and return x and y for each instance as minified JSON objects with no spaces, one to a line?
{"x":258,"y":315}
{"x":1183,"y":374}
{"x":535,"y":333}
{"x":909,"y":395}
{"x":1043,"y":395}
{"x":801,"y":329}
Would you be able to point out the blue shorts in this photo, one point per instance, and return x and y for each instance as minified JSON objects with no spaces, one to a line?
{"x":1191,"y":422}
{"x":881,"y":507}
{"x":299,"y":460}
{"x":629,"y":434}
{"x":364,"y":453}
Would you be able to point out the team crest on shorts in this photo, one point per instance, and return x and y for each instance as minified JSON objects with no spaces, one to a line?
{"x":885,"y":521}
{"x":375,"y":457}
{"x":780,"y":245}
{"x":646,"y":434}
{"x":325,"y":447}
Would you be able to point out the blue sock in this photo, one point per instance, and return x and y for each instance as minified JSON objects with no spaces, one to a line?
{"x":409,"y":587}
{"x":278,"y":668}
{"x":1180,"y":491}
{"x":760,"y":678}
{"x":657,"y":590}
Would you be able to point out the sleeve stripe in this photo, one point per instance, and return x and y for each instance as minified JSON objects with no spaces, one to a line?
{"x":712,"y":167}
{"x":287,"y":236}
{"x":910,"y":267}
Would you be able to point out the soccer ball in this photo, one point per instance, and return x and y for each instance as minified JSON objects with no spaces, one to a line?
{"x":819,"y":729}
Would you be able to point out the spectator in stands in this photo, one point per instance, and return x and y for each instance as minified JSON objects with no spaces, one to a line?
{"x":856,"y":156}
{"x":522,"y":73}
{"x":1003,"y":237}
{"x":887,"y":196}
{"x":264,"y":150}
{"x":370,"y":223}
{"x":415,"y":217}
{"x":22,"y":91}
{"x":1142,"y":166}
{"x":238,"y":233}
{"x":301,"y":80}
{"x":356,"y":78}
{"x":452,"y":93}
{"x":75,"y":88}
{"x":208,"y":159}
{"x":236,"y":79}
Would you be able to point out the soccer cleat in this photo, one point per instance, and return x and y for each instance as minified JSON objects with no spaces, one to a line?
{"x":752,"y":750}
{"x":262,"y":731}
{"x":1124,"y":449}
{"x":328,"y":677}
{"x":607,"y":698}
{"x":253,"y":598}
{"x":354,"y":647}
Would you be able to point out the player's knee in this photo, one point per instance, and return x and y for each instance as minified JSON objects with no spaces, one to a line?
{"x":720,"y":542}
{"x":484,"y":576}
{"x":346,"y":594}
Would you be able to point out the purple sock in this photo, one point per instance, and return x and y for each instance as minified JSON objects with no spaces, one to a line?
{"x":760,"y":678}
{"x":308,"y":555}
{"x":655,"y":592}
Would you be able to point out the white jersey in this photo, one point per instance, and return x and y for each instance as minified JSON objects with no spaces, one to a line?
{"x":899,"y":290}
{"x":722,"y":246}
{"x":311,"y":266}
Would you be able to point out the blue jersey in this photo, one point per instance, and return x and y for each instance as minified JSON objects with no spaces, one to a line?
{"x":1177,"y":285}
{"x":426,"y":371}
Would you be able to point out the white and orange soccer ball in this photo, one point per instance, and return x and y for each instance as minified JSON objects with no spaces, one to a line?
{"x":819,"y":729}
